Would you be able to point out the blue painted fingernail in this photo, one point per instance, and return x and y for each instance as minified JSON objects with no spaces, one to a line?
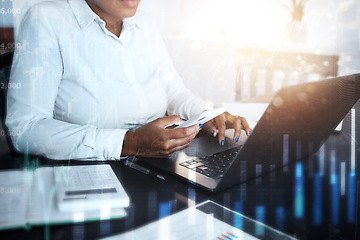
{"x":236,"y":139}
{"x":212,"y":132}
{"x":183,"y":119}
{"x":250,"y":132}
{"x":200,"y":126}
{"x":222,"y":142}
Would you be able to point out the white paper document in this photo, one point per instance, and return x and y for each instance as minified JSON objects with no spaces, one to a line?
{"x":199,"y":223}
{"x":29,"y":198}
{"x":88,"y":187}
{"x":189,"y":224}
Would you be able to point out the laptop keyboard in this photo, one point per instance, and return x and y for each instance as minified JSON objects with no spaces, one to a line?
{"x":213,"y":166}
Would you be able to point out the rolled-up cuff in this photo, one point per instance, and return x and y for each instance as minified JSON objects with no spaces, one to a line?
{"x":109,"y":143}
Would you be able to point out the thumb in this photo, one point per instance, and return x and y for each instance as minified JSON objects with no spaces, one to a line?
{"x":169,"y":120}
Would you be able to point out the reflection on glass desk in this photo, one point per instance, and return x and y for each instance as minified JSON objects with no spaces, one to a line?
{"x":316,"y":198}
{"x":207,"y":220}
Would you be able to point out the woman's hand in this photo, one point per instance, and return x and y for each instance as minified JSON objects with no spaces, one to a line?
{"x":218,"y":125}
{"x":154,"y":140}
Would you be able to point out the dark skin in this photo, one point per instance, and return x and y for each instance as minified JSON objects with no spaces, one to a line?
{"x":113,"y":12}
{"x":153,"y":139}
{"x":218,"y":125}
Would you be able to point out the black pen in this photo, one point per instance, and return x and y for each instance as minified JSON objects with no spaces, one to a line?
{"x":142,"y":169}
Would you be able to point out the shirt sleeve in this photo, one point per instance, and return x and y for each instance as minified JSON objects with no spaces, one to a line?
{"x":181,"y":101}
{"x":36,"y":72}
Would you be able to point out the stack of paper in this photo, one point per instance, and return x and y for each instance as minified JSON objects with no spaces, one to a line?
{"x":42,"y":196}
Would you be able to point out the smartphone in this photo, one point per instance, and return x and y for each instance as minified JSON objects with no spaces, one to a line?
{"x":200,"y":118}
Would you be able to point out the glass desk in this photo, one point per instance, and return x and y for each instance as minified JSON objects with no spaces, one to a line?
{"x":316,"y":198}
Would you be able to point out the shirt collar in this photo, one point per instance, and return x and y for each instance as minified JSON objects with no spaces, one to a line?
{"x":135,"y":20}
{"x":84,"y":15}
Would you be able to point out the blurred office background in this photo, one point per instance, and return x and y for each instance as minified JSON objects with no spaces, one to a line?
{"x":234,"y":50}
{"x":229,"y":50}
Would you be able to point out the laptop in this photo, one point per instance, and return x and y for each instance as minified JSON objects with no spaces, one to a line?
{"x":296,"y":123}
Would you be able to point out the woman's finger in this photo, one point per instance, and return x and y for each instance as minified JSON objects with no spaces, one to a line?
{"x":221,"y":126}
{"x":237,"y":128}
{"x":211,"y":128}
{"x":179,"y":133}
{"x":245,"y":126}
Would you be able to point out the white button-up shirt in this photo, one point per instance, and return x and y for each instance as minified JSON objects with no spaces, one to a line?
{"x":76,"y":88}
